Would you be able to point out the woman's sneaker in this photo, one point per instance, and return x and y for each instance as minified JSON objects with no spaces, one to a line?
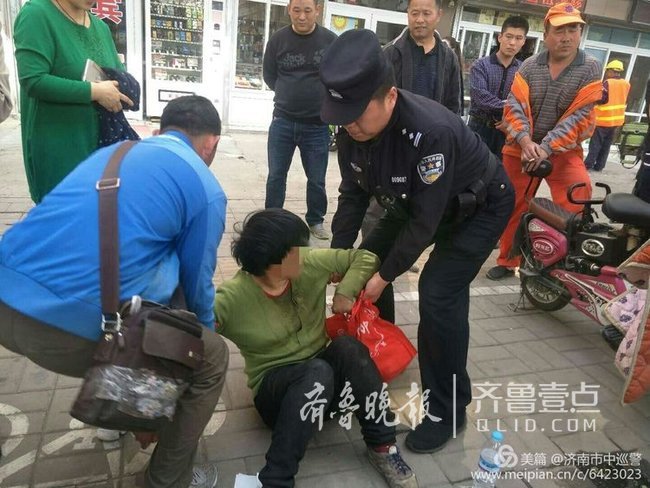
{"x":108,"y":435}
{"x":204,"y":476}
{"x":388,"y":461}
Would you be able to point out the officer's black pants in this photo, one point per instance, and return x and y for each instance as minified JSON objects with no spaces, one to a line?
{"x":443,"y":333}
{"x":642,"y":187}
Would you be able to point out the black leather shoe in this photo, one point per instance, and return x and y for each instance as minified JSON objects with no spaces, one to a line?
{"x":431,"y":436}
{"x":499,"y":273}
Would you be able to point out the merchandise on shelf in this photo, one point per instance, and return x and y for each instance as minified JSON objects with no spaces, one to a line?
{"x":177,"y":40}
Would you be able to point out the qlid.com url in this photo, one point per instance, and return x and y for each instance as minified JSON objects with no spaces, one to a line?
{"x":594,"y":473}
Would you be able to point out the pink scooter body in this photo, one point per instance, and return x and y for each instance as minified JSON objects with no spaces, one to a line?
{"x":590,"y":294}
{"x":549,"y":245}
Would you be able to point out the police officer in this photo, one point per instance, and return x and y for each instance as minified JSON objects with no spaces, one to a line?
{"x":439,"y":184}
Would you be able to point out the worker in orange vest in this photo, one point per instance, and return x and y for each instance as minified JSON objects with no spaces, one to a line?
{"x":547,"y":115}
{"x":609,"y":116}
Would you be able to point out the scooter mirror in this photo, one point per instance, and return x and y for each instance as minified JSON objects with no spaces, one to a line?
{"x":543,"y":170}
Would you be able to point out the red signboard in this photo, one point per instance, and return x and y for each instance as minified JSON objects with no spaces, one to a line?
{"x":109,"y":10}
{"x":579,"y":4}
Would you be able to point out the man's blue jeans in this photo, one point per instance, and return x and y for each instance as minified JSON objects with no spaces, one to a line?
{"x":312,"y":140}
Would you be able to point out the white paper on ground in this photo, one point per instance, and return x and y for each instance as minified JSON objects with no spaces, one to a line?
{"x":247,"y":481}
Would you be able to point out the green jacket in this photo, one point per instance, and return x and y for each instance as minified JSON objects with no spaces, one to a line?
{"x":272,"y":332}
{"x":59,"y":123}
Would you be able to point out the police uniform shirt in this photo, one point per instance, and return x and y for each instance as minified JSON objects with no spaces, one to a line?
{"x":424,"y":158}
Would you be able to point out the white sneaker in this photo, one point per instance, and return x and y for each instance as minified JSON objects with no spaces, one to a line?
{"x":204,"y":476}
{"x":108,"y":435}
{"x":319,"y":232}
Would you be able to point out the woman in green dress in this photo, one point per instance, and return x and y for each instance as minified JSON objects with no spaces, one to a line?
{"x":60,"y":125}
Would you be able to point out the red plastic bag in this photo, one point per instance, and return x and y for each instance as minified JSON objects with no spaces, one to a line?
{"x":389,"y":347}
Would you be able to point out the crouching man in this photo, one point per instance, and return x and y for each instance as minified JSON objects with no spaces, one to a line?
{"x":274,"y":311}
{"x":171,"y":213}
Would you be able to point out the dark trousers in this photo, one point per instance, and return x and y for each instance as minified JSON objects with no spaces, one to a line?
{"x":443,"y":333}
{"x":70,"y":355}
{"x":284,"y":392}
{"x":493,"y":138}
{"x":599,"y":145}
{"x":313,"y":142}
{"x":642,"y":186}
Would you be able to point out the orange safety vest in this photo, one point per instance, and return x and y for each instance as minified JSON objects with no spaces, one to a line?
{"x":588,"y":94}
{"x":612,"y":113}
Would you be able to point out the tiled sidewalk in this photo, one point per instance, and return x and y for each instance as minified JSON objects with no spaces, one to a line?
{"x":43,"y":447}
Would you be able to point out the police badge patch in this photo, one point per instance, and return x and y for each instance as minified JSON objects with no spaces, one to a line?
{"x":431,"y":167}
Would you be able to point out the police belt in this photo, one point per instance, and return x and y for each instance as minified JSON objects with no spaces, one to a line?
{"x":467,"y":203}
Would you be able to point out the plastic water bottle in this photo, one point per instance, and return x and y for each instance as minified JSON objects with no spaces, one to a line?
{"x":488,"y":462}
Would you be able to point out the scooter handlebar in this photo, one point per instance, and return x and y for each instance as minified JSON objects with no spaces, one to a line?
{"x":575,"y":186}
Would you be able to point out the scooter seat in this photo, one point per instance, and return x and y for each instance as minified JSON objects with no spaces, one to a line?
{"x":625,"y":208}
{"x":550,"y":212}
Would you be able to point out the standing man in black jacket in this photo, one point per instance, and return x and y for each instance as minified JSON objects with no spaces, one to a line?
{"x":291,"y":62}
{"x":423,"y":64}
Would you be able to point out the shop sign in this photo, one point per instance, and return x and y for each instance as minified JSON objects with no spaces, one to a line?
{"x":109,"y":10}
{"x":579,"y":4}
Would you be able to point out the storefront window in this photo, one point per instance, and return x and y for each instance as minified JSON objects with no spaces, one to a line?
{"x":471,"y":14}
{"x":638,"y":81}
{"x":251,"y":40}
{"x":387,"y":31}
{"x":489,"y":16}
{"x":344,"y":23}
{"x":393,"y":5}
{"x":622,"y":37}
{"x":250,"y":44}
{"x":644,"y":42}
{"x":113,"y":13}
{"x":599,"y":54}
{"x":279,"y":18}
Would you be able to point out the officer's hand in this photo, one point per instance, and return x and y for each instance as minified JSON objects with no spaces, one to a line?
{"x":341,"y":304}
{"x":501,"y":125}
{"x":375,"y":287}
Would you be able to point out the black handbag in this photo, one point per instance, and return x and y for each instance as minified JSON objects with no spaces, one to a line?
{"x":147,"y":354}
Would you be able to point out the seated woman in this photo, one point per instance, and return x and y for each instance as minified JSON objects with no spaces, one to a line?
{"x":274,"y":311}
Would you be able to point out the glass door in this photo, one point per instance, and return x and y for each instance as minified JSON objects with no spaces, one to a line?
{"x":638,"y":79}
{"x":343,"y":17}
{"x":388,"y":25}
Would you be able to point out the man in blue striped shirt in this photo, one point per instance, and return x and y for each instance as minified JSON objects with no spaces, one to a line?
{"x":490,"y":80}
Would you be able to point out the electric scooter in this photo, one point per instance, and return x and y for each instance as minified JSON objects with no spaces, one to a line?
{"x":570,"y":258}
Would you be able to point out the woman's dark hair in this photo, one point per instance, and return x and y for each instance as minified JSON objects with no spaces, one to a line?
{"x":266,"y":237}
{"x":194,"y":114}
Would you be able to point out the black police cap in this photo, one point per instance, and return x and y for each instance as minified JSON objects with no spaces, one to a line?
{"x":352,"y":69}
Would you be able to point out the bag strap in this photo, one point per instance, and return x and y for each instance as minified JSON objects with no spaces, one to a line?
{"x":109,"y":251}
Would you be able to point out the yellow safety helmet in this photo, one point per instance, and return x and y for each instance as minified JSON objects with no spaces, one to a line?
{"x":615,"y":65}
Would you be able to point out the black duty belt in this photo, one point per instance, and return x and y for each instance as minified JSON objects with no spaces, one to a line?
{"x":469,"y":201}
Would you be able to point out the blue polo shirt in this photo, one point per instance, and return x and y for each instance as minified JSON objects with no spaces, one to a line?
{"x":171,"y":212}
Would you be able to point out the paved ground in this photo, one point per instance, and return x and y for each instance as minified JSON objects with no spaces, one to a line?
{"x":43,"y":447}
